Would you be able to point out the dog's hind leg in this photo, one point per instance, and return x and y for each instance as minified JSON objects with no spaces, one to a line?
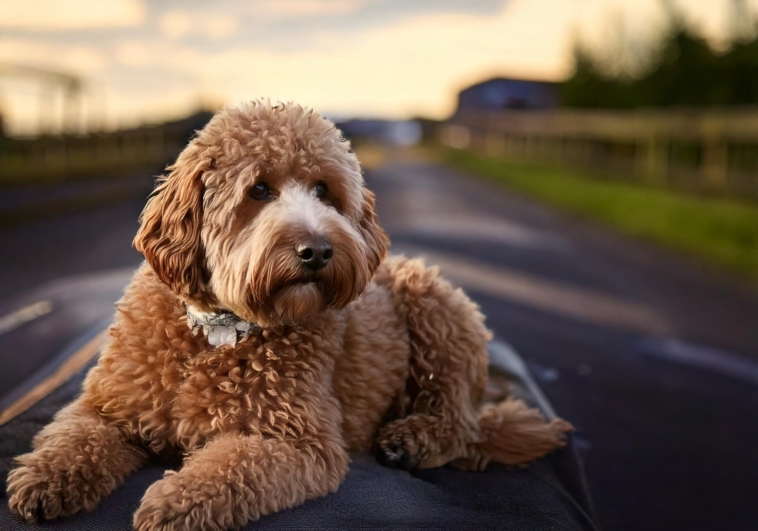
{"x":447,"y":372}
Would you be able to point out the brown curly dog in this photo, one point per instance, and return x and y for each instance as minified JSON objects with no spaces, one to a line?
{"x":265,"y":338}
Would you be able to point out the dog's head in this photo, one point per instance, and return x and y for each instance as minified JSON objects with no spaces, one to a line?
{"x":265,"y":214}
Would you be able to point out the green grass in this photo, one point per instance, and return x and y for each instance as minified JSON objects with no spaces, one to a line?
{"x":721,"y":231}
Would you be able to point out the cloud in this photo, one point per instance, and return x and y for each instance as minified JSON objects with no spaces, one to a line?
{"x":134,"y":53}
{"x":219,"y":27}
{"x":78,"y":59}
{"x":301,"y":8}
{"x":412,"y":66}
{"x":289,"y":24}
{"x":56,"y":15}
{"x":394,"y":58}
{"x":377,"y":10}
{"x":408,"y":68}
{"x":178,"y":24}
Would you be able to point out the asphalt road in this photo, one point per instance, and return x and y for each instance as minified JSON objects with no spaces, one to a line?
{"x":648,"y":354}
{"x":645,"y":352}
{"x":71,"y":268}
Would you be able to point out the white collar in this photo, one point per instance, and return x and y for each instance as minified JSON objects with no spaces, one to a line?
{"x":221,"y":327}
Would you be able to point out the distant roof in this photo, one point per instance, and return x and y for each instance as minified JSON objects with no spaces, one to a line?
{"x":519,"y":79}
{"x":508,"y":93}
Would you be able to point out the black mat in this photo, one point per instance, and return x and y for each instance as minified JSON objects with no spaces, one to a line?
{"x":550,"y":494}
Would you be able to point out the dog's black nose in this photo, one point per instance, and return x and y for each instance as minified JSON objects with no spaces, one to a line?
{"x":315,"y":253}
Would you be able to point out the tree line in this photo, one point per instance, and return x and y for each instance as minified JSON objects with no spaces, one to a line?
{"x":681,"y":69}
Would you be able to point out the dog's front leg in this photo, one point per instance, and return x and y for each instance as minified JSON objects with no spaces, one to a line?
{"x":77,"y":459}
{"x":238,"y":478}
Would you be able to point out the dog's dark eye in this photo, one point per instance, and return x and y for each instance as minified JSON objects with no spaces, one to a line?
{"x":259,"y":191}
{"x":320,"y":190}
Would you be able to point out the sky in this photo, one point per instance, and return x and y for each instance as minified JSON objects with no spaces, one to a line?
{"x":149,"y":60}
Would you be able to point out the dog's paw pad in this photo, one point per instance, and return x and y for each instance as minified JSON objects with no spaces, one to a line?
{"x":33,"y":513}
{"x":33,"y":495}
{"x":30,"y":509}
{"x":396,"y":456}
{"x":36,"y":504}
{"x":398,"y":447}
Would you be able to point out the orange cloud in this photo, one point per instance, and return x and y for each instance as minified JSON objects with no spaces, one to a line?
{"x":411,"y":65}
{"x":46,"y":15}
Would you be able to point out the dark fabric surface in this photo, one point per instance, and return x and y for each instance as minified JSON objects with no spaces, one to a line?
{"x":548,"y":495}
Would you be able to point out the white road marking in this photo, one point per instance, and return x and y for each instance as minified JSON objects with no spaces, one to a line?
{"x":712,"y":359}
{"x":581,"y":304}
{"x":24,"y":315}
{"x":592,"y":307}
{"x":485,"y":229}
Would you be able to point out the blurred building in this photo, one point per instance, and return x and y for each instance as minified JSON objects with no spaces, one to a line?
{"x":508,"y":93}
{"x":392,"y":132}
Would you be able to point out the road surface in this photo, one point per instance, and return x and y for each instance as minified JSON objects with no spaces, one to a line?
{"x":646,"y":353}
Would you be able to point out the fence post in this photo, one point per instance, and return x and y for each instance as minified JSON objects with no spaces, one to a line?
{"x":715,"y":163}
{"x":495,"y":144}
{"x":652,"y":159}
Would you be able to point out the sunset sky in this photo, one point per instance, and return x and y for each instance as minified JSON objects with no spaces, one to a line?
{"x":146,"y":60}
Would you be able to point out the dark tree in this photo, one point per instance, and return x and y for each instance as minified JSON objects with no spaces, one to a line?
{"x":683,"y":70}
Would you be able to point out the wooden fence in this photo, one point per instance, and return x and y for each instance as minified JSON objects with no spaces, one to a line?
{"x":70,"y":157}
{"x":702,"y":151}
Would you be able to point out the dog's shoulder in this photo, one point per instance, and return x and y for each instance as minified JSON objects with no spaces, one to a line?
{"x":146,"y":298}
{"x":149,"y":320}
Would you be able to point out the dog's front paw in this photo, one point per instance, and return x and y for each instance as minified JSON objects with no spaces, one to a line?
{"x":163,"y":506}
{"x":38,"y":492}
{"x":186,"y":503}
{"x":29,"y":495}
{"x":401,"y":444}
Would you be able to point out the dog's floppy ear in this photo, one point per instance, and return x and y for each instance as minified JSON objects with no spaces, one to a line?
{"x":169,"y":233}
{"x":375,"y":237}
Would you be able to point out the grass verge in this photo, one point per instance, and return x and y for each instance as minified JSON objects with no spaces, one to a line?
{"x":723,"y":232}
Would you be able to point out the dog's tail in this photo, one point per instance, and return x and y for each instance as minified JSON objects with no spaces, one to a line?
{"x":514,"y":434}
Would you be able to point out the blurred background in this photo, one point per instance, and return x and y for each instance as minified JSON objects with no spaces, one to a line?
{"x":586,"y":169}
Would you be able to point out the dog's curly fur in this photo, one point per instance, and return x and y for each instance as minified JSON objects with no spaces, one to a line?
{"x":365,"y":354}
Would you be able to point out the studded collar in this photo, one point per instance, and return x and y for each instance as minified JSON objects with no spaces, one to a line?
{"x":221,"y":327}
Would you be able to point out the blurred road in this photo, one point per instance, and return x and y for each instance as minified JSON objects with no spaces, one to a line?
{"x":644,"y":352}
{"x":647,"y":354}
{"x":59,"y":277}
